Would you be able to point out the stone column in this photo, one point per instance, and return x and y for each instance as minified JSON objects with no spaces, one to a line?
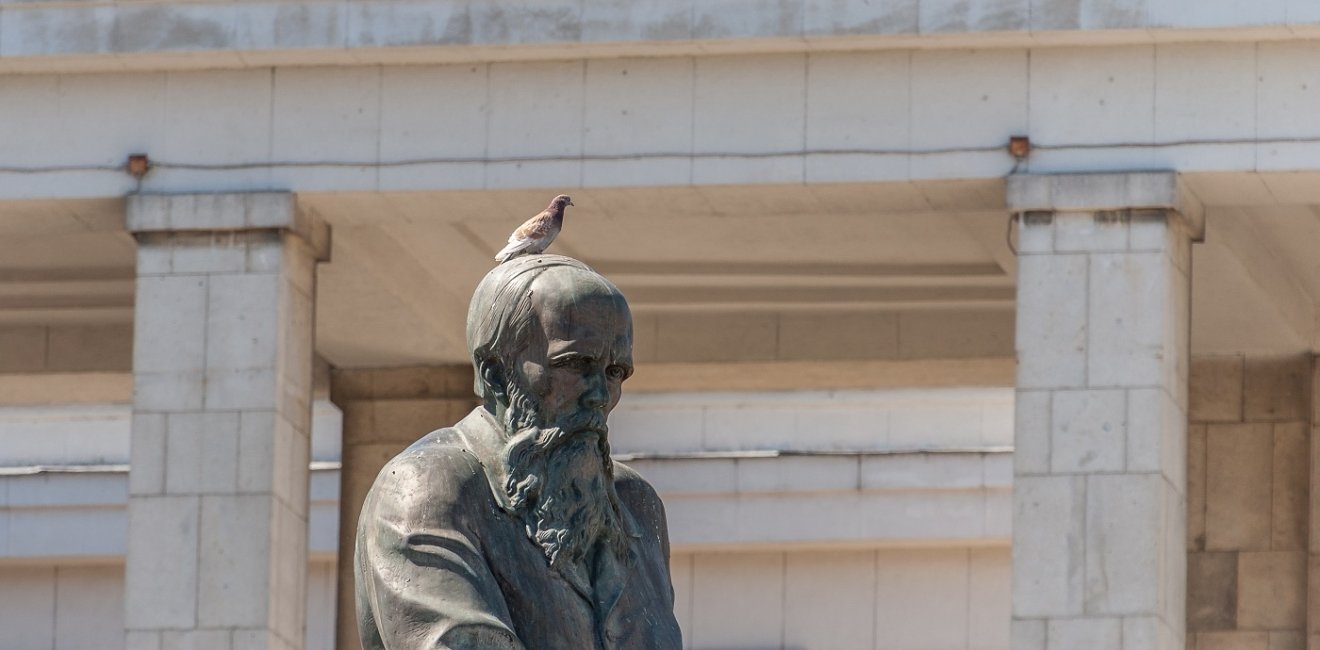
{"x":385,"y":410}
{"x":222,"y":370}
{"x":1100,"y":460}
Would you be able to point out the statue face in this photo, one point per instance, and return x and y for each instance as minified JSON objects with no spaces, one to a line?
{"x":578,"y":358}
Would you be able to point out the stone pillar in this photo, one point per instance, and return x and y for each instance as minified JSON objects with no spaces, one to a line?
{"x":385,"y":410}
{"x":222,"y":372}
{"x":1099,"y":508}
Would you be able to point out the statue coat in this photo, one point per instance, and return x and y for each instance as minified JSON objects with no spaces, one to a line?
{"x":442,"y":562}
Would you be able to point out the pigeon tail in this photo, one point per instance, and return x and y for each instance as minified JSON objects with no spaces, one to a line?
{"x":514,"y":249}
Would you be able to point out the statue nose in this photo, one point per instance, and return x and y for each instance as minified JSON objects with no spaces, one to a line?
{"x":596,"y":395}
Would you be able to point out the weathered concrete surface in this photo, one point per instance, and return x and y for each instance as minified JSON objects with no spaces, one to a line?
{"x":44,"y":36}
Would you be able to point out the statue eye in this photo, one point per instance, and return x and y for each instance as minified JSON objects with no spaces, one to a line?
{"x":577,"y":364}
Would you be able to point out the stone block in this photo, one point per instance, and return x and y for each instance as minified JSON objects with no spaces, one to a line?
{"x":1212,"y":591}
{"x":1290,"y":495}
{"x":157,"y":599}
{"x":1156,"y":435}
{"x":241,"y":389}
{"x":170,"y":324}
{"x":1150,"y":632}
{"x":1232,"y":641}
{"x":168,"y":391}
{"x":1239,"y":460}
{"x":142,"y":640}
{"x":1031,"y":440}
{"x":234,"y":585}
{"x":1130,"y":309}
{"x":147,"y":454}
{"x":1048,"y":557}
{"x":1215,"y":387}
{"x":1124,"y":537}
{"x":242,"y":327}
{"x":1196,"y":478}
{"x":256,"y":451}
{"x":1094,"y":191}
{"x":1088,"y":232}
{"x":208,"y":253}
{"x":195,"y":640}
{"x":1088,"y":633}
{"x":1027,"y":634}
{"x":834,"y":336}
{"x":1051,"y":321}
{"x":940,"y":334}
{"x":1087,"y":430}
{"x":201,"y":453}
{"x":1272,"y":590}
{"x":1158,"y":231}
{"x":1277,"y":388}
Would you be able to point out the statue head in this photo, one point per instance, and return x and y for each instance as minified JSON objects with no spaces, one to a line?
{"x":551,"y":343}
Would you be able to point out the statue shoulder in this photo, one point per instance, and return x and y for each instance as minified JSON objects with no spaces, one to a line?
{"x":437,"y":468}
{"x":635,"y":490}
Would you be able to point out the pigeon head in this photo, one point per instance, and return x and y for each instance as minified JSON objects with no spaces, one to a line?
{"x":560,"y":201}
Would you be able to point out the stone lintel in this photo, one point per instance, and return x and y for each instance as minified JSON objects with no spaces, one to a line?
{"x":227,"y":212}
{"x":1034,"y":194}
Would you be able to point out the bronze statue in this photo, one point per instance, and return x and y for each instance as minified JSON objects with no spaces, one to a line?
{"x":513,"y":528}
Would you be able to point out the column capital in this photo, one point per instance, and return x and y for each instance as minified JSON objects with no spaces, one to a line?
{"x":226,"y":212}
{"x":1104,"y":191}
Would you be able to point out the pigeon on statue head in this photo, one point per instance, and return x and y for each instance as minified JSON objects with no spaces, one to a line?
{"x":535,"y":235}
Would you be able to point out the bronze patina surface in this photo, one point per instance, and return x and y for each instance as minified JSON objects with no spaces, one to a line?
{"x":513,"y":528}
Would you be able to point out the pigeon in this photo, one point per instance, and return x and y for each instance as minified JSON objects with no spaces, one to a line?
{"x":536,"y":233}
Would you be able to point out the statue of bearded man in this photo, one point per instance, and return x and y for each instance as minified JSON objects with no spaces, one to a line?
{"x":513,"y":528}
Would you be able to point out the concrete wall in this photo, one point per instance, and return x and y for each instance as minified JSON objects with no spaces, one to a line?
{"x":931,"y":599}
{"x":767,"y":118}
{"x":914,"y":599}
{"x":1248,"y":469}
{"x":81,"y":607}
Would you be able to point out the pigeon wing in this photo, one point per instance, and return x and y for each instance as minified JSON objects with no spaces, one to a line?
{"x":526,"y":236}
{"x":535,"y":228}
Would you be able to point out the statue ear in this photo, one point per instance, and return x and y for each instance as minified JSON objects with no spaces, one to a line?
{"x":492,"y":375}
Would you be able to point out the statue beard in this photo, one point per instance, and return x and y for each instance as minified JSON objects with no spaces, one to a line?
{"x":561,"y":481}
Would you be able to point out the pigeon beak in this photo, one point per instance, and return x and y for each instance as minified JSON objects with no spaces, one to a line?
{"x":571,"y":203}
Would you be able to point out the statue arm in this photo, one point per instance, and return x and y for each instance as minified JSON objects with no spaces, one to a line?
{"x":422,"y":578}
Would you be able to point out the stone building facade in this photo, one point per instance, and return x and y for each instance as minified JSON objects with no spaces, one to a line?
{"x":904,"y":382}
